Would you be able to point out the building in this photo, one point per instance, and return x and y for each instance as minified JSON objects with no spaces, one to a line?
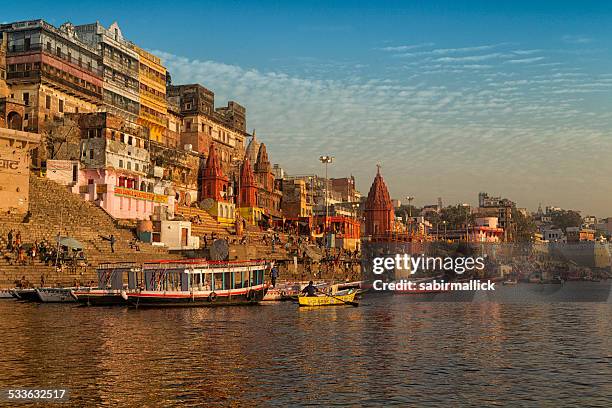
{"x":345,"y":188}
{"x":15,"y":148}
{"x":116,"y":172}
{"x":379,"y":212}
{"x":4,"y":89}
{"x":268,"y":194}
{"x":552,"y":234}
{"x":578,"y":234}
{"x":51,"y":70}
{"x":216,"y":192}
{"x":502,"y":208}
{"x":295,"y":203}
{"x":203,"y":126}
{"x":152,"y":91}
{"x":120,"y":67}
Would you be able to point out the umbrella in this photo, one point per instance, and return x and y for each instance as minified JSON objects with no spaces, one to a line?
{"x":69,"y":242}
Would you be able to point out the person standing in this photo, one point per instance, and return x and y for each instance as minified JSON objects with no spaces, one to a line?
{"x":112,"y":243}
{"x":10,"y":241}
{"x":274,"y":275}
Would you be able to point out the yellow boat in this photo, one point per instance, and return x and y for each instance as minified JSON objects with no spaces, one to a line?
{"x":328,"y":300}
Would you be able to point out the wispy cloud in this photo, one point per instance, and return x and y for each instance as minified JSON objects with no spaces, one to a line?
{"x":401,"y":48}
{"x":524,"y":60}
{"x":577,"y":39}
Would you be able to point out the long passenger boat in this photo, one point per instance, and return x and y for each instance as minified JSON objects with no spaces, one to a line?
{"x":115,"y":280}
{"x":198,"y":282}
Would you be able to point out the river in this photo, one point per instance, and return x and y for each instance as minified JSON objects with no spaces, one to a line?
{"x":392,"y":350}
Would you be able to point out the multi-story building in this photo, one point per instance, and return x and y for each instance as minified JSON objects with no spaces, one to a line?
{"x":204,"y":127}
{"x":501,"y":208}
{"x":295,"y":203}
{"x":153,"y":105}
{"x":172,"y":137}
{"x":4,"y":90}
{"x":120,"y":68}
{"x":51,"y":71}
{"x":116,"y":173}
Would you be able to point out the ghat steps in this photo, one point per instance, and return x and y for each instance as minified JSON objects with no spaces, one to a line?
{"x":53,"y":210}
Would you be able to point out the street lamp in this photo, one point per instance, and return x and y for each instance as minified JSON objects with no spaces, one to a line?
{"x":326,"y":160}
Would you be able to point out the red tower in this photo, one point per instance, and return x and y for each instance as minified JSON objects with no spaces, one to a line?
{"x":379,"y":212}
{"x":214,"y":183}
{"x":248,"y":189}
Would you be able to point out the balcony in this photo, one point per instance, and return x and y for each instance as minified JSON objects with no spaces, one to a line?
{"x":34,"y":48}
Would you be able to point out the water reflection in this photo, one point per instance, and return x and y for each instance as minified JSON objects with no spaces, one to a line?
{"x":394,"y":350}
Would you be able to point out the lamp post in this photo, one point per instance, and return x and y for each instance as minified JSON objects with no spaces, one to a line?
{"x":326,"y":160}
{"x":444,"y":222}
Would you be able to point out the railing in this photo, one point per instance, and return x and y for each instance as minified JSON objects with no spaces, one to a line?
{"x":14,"y":49}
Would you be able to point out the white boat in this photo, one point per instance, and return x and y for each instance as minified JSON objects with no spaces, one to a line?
{"x":55,"y":295}
{"x":6,"y":294}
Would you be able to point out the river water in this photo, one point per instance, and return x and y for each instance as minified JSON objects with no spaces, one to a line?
{"x":391,"y":350}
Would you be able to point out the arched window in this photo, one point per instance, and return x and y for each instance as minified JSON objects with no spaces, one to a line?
{"x":143,"y":186}
{"x":14,"y":121}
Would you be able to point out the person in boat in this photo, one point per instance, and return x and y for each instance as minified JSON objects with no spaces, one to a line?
{"x":310,"y":290}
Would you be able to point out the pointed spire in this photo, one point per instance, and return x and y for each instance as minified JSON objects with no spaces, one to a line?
{"x":246,"y":175}
{"x":262,"y":164}
{"x":213,"y":168}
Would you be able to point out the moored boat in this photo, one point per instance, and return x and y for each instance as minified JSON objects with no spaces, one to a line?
{"x":201,"y":283}
{"x":27,"y":294}
{"x":6,"y":294}
{"x":55,"y":295}
{"x":328,"y":300}
{"x":114,"y":281}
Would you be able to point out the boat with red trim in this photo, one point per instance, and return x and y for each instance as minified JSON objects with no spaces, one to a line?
{"x":199,"y":282}
{"x":114,"y":281}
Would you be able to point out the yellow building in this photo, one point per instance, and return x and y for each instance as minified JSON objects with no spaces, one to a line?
{"x":153,"y":105}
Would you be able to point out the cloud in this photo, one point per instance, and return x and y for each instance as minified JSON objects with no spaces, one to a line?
{"x":400,"y":48}
{"x":576,"y":39}
{"x":432,"y":127}
{"x":524,"y":60}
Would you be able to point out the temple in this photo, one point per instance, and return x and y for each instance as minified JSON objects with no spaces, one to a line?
{"x":379,"y":212}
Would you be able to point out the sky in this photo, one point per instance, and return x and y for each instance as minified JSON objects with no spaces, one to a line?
{"x":450,"y":97}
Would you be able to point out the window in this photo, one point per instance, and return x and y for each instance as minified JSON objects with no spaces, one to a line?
{"x":49,"y":46}
{"x":26,"y":98}
{"x":61,"y":105}
{"x":90,"y":154}
{"x":48,"y":102}
{"x":130,"y":140}
{"x":129,"y":165}
{"x":136,"y":166}
{"x":123,"y":138}
{"x":120,"y":164}
{"x":58,"y":51}
{"x":113,"y":135}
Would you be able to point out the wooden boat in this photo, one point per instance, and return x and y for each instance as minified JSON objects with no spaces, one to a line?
{"x":114,"y":281}
{"x":27,"y":294}
{"x":55,"y":295}
{"x":327,"y":300}
{"x":201,"y":283}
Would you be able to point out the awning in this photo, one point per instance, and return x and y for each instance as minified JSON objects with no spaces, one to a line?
{"x":69,"y":242}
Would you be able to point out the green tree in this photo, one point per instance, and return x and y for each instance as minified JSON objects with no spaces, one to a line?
{"x":524,"y":226}
{"x":566,"y":218}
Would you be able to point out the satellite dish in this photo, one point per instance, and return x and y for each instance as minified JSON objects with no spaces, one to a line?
{"x":207,"y":204}
{"x":219,"y":250}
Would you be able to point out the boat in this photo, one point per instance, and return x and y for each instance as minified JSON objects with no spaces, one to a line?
{"x":114,"y":281}
{"x":328,"y":300}
{"x":6,"y":294}
{"x":26,"y":294}
{"x":199,"y":282}
{"x":55,"y":295}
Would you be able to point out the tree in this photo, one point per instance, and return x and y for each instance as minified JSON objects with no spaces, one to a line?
{"x":566,"y":218}
{"x":456,"y":216}
{"x":525,"y":226}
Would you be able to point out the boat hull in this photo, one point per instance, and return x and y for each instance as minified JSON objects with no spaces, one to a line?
{"x":325,"y":300}
{"x":29,"y":295}
{"x":55,"y":295}
{"x":251,"y":296}
{"x":100,"y":298}
{"x":6,"y":294}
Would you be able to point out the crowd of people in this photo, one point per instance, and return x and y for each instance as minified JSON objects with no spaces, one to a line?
{"x":20,"y":253}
